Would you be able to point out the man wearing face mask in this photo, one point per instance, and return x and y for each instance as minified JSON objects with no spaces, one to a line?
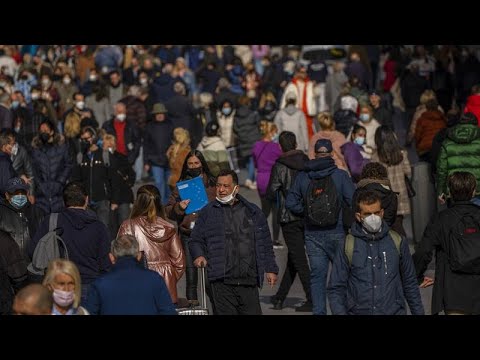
{"x":373,"y":272}
{"x":6,"y":115}
{"x":126,"y":133}
{"x":18,"y":217}
{"x":95,"y":175}
{"x":86,"y":115}
{"x":232,"y":238}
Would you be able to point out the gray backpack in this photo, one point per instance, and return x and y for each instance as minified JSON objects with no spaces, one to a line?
{"x":47,"y":248}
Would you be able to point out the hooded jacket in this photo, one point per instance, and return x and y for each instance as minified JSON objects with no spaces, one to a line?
{"x":293,"y":119}
{"x":379,"y":279}
{"x":460,"y":152}
{"x":281,"y":180}
{"x":86,"y":238}
{"x":215,"y":153}
{"x":317,"y":169}
{"x":161,"y":246}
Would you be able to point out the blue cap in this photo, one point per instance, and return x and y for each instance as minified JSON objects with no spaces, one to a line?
{"x":15,"y":184}
{"x":323,"y":146}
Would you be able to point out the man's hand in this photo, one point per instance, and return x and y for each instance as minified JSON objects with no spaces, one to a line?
{"x":200,"y":262}
{"x":113,"y":207}
{"x":183,"y":204}
{"x":25,"y":179}
{"x":271,"y":279}
{"x":441,"y":198}
{"x":426,"y":282}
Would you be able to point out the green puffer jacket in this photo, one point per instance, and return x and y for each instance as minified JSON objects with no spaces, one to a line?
{"x":460,"y":152}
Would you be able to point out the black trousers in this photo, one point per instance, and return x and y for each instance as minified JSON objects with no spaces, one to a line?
{"x":268,"y":207}
{"x":293,"y":233}
{"x":191,"y":272}
{"x":235,"y":299}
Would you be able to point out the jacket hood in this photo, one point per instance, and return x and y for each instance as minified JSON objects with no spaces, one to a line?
{"x":383,"y":186}
{"x":463,"y":133}
{"x":209,"y":141}
{"x":358,"y":231}
{"x":320,"y":168}
{"x":159,"y":231}
{"x":291,"y":109}
{"x":294,"y":159}
{"x":80,"y":218}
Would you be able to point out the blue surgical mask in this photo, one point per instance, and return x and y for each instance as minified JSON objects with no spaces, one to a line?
{"x":359,"y":140}
{"x":365,"y":117}
{"x":275,"y":138}
{"x":226,"y":111}
{"x":100,"y":143}
{"x":15,"y":104}
{"x":18,"y":201}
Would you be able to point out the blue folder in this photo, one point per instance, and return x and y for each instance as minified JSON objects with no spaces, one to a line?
{"x":193,"y":189}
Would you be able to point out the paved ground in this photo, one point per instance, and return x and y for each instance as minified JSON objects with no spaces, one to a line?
{"x":296,"y":295}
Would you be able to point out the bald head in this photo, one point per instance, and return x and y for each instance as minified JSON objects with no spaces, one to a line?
{"x":33,"y":299}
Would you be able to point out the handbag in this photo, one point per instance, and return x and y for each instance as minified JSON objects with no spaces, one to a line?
{"x":410,"y":190}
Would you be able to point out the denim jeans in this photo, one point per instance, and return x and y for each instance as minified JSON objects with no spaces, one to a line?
{"x":138,"y":166}
{"x":476,"y":200}
{"x":321,"y":248}
{"x":251,"y":168}
{"x":161,"y":175}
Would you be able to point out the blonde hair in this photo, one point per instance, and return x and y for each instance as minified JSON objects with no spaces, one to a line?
{"x":62,"y":266}
{"x":267,"y":96}
{"x":72,"y":125}
{"x":267,"y":127}
{"x":426,"y":96}
{"x":110,"y":137}
{"x":325,"y":119}
{"x":181,"y":136}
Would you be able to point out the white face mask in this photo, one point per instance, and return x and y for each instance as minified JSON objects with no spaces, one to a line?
{"x":227,"y":199}
{"x":93,"y":77}
{"x":121,"y":117}
{"x":372,"y":223}
{"x":67,"y":81}
{"x":15,"y":149}
{"x":35,"y":96}
{"x":80,"y":105}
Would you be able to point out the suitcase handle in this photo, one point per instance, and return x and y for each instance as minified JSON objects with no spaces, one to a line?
{"x":203,"y":292}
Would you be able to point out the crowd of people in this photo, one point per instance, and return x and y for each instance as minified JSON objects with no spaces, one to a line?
{"x":82,"y":125}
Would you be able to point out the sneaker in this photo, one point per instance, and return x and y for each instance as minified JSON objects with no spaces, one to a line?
{"x":254,"y":186}
{"x":305,"y":307}
{"x":248,"y":183}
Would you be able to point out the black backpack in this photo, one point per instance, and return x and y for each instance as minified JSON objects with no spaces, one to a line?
{"x":463,"y":248}
{"x":322,"y":205}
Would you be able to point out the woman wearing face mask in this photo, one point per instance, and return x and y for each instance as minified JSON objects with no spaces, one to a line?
{"x":353,"y":153}
{"x":193,"y":166}
{"x":370,"y":124}
{"x":66,"y":89}
{"x":63,"y":280}
{"x":176,"y":154}
{"x":395,"y":159}
{"x":157,"y":238}
{"x":225,"y":117}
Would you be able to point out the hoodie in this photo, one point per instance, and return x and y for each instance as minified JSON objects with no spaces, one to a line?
{"x":316,"y":169}
{"x":292,"y":119}
{"x":86,"y":238}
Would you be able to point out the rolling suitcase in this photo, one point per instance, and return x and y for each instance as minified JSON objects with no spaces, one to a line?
{"x":201,"y":309}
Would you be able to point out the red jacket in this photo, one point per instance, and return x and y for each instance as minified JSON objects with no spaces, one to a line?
{"x":473,"y":106}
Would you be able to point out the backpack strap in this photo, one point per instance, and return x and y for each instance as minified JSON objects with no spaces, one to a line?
{"x":349,"y":244}
{"x":52,"y":222}
{"x":397,"y":240}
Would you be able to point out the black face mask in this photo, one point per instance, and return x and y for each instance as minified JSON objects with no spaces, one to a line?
{"x":84,"y":146}
{"x":194,"y":172}
{"x":57,"y":77}
{"x":44,"y":137}
{"x":269,"y":107}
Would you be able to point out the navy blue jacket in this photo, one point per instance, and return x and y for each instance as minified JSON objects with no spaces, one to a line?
{"x":378,"y":281}
{"x":317,"y":169}
{"x":6,"y":172}
{"x":208,"y":240}
{"x":129,"y":289}
{"x":87,"y":240}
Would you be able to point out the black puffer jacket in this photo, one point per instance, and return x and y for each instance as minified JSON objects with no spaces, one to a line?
{"x":123,"y":179}
{"x":131,"y":136}
{"x":281,"y":180}
{"x":94,"y":175}
{"x":20,"y":224}
{"x":13,"y":272}
{"x":52,"y":166}
{"x":245,"y":126}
